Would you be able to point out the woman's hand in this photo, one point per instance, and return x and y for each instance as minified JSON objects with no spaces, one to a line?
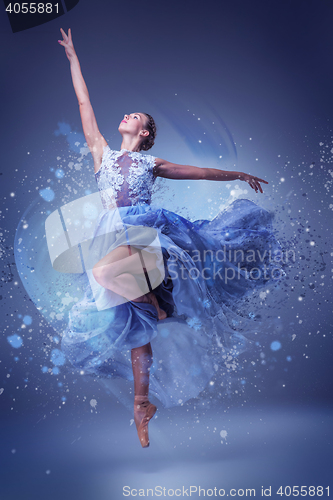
{"x":67,"y":43}
{"x":252,"y":181}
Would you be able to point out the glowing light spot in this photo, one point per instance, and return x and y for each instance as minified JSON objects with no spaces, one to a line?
{"x":57,"y":357}
{"x":59,"y":173}
{"x":27,"y":320}
{"x":282,"y":179}
{"x":47,"y":194}
{"x":276,"y":345}
{"x":15,"y":341}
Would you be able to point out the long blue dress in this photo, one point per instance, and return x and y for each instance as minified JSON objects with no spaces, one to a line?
{"x":202,"y":268}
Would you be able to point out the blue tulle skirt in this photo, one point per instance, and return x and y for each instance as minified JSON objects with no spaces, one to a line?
{"x":202,"y":269}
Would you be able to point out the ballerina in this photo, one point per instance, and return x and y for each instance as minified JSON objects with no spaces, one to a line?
{"x":116,"y":271}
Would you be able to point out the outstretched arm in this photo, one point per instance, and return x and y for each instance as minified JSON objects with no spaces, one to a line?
{"x":170,"y":170}
{"x":94,"y":138}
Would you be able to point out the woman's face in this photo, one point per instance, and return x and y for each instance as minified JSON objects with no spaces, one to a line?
{"x":133,"y":124}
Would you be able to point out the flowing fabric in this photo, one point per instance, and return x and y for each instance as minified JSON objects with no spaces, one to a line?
{"x":202,"y":269}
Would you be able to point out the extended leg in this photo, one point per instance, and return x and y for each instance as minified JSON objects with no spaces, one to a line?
{"x":142,"y":358}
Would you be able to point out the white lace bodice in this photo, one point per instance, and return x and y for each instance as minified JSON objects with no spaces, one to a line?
{"x":125,"y":178}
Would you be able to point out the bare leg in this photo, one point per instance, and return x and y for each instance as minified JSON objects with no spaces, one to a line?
{"x":124,"y":285}
{"x":113,"y":272}
{"x":119,"y":261}
{"x":142,"y":358}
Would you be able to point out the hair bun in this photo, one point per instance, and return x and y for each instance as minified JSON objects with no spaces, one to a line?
{"x":148,"y":142}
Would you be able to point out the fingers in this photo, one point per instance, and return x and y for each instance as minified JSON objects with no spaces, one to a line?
{"x":254,"y":182}
{"x":261,"y":180}
{"x":255,"y":185}
{"x":65,"y":37}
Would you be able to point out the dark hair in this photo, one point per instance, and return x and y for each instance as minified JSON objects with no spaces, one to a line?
{"x":148,"y":142}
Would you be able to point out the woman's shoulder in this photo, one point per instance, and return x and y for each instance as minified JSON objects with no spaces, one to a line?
{"x":144,"y":157}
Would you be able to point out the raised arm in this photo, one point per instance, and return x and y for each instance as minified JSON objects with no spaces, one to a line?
{"x":169,"y":170}
{"x":94,"y":138}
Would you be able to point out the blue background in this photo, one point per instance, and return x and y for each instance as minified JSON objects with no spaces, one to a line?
{"x":262,"y":71}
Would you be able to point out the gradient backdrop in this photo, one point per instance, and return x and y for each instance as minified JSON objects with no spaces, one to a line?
{"x":236,"y":85}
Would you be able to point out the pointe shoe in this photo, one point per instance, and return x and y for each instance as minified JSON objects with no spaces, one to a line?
{"x":143,"y":412}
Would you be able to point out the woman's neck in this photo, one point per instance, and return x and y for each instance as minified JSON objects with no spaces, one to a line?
{"x":130,"y":145}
